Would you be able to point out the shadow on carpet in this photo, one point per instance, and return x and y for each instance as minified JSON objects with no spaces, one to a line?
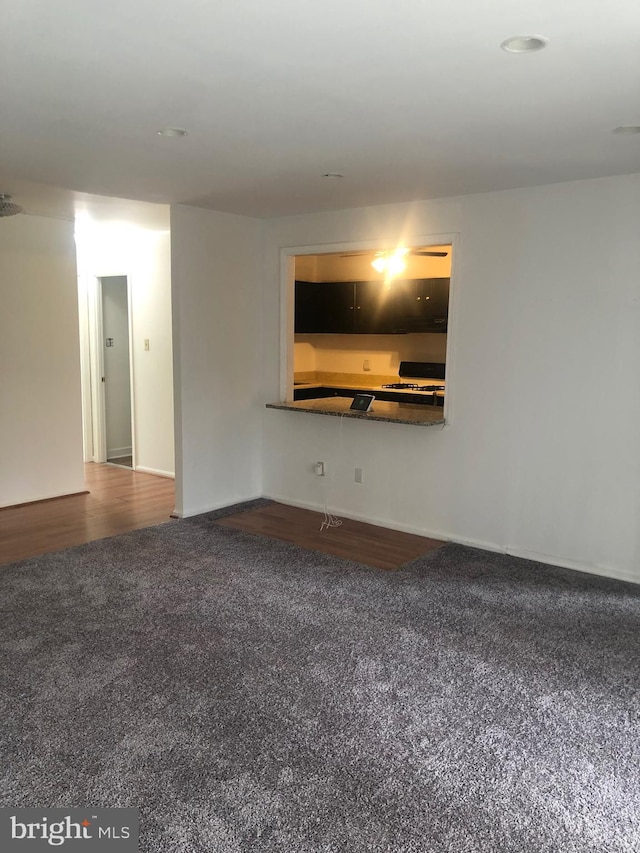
{"x":248,"y":695}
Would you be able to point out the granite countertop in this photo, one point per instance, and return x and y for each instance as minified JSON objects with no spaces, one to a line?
{"x":396,"y":413}
{"x":311,"y":378}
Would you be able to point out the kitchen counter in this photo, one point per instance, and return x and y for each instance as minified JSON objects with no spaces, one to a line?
{"x":374,"y":389}
{"x":397,"y":413}
{"x":368,"y":384}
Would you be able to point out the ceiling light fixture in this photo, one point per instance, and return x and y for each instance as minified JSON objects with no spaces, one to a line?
{"x":333,"y":176}
{"x":391,"y":263}
{"x":7,"y":207}
{"x":172,"y":131}
{"x":524,"y":44}
{"x":626,"y":129}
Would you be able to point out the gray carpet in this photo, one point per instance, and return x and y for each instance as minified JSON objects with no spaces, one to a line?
{"x":248,"y":695}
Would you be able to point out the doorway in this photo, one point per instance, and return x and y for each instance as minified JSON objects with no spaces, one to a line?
{"x":116,"y":374}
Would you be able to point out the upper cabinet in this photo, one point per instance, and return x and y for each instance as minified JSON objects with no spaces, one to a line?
{"x":421,"y":305}
{"x":374,"y":309}
{"x":371,"y":307}
{"x":324,"y":308}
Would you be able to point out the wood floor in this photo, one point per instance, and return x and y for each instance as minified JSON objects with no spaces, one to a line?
{"x":124,"y":461}
{"x":374,"y":546}
{"x":118,"y":501}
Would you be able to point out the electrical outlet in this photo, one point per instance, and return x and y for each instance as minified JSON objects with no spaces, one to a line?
{"x":146,"y":344}
{"x":319,"y":469}
{"x":358,"y":475}
{"x":366,"y":364}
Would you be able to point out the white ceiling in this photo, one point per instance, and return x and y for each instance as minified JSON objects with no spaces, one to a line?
{"x":409,"y":99}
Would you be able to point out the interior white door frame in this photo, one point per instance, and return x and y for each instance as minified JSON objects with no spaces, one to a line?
{"x":96,"y":344}
{"x":85,"y":369}
{"x":97,"y":370}
{"x":132,"y":386}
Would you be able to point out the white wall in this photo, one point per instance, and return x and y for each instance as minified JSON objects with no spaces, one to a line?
{"x":540,"y":456}
{"x":122,"y":247}
{"x":40,"y":411}
{"x":217,"y":306}
{"x":153,"y":368}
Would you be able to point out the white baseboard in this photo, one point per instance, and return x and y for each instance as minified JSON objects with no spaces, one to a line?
{"x":575,"y":565}
{"x":368,"y":519}
{"x":494,"y":547}
{"x":212,"y":507}
{"x":42,"y":499}
{"x":116,"y":452}
{"x":156,"y":471}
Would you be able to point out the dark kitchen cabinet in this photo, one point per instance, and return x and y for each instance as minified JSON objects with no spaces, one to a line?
{"x":343,"y":307}
{"x":315,"y":393}
{"x":373,"y":314}
{"x":319,"y":392}
{"x":372,"y":307}
{"x":324,"y":307}
{"x":439,"y":311}
{"x":406,"y":305}
{"x":421,"y":305}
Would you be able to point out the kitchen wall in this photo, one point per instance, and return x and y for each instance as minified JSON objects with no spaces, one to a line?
{"x":304,"y":354}
{"x":217,"y":319}
{"x":540,"y":455}
{"x":346,"y":353}
{"x":139,"y":248}
{"x":40,"y":407}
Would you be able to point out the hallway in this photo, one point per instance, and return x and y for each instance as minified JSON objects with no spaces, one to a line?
{"x":118,"y":501}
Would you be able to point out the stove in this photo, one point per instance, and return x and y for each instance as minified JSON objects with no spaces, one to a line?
{"x":414,"y":371}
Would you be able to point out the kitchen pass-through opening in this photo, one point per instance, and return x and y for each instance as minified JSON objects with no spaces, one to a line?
{"x":372,"y":321}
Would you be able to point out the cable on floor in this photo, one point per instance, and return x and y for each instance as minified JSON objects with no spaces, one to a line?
{"x":331,"y":520}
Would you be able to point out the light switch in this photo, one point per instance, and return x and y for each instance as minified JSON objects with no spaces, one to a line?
{"x":146,"y":344}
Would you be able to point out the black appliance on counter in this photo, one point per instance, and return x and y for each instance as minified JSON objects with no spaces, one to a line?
{"x":419,"y":370}
{"x":416,"y":370}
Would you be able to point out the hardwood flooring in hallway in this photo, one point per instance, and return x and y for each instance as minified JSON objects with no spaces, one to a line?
{"x":118,"y":501}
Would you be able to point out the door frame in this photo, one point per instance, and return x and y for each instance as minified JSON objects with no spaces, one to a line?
{"x":96,"y":338}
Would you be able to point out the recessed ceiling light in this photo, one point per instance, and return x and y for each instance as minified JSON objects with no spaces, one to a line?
{"x":523,"y":44}
{"x":333,"y":176}
{"x":627,"y":129}
{"x":172,"y":131}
